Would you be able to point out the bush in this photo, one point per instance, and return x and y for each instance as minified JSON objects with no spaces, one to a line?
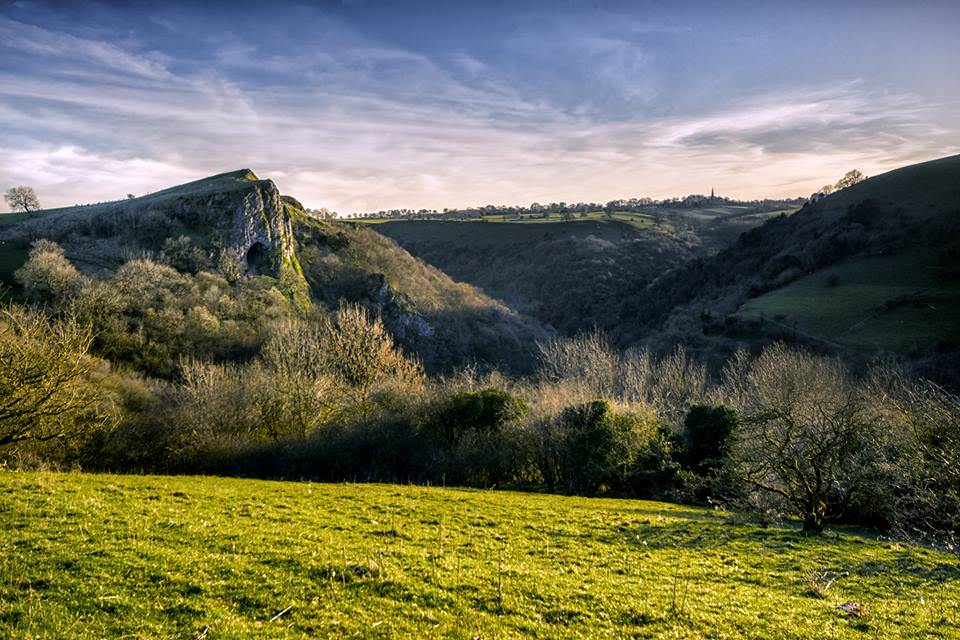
{"x":482,"y":412}
{"x":704,"y":448}
{"x":49,"y":385}
{"x":598,"y":448}
{"x":47,"y":275}
{"x":360,"y":352}
{"x":184,"y":256}
{"x":707,"y":435}
{"x":480,"y":437}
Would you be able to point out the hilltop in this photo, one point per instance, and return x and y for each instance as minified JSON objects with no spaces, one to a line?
{"x":241,"y":231}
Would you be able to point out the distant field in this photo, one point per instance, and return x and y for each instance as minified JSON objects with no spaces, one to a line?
{"x":639,"y":220}
{"x":100,"y":556}
{"x":893,"y":302}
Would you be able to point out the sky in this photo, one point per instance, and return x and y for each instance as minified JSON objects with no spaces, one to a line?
{"x":365,"y":105}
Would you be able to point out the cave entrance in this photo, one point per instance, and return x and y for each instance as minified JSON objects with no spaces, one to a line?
{"x":257,"y":259}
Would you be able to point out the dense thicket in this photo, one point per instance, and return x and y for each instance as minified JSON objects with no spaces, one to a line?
{"x":334,"y":398}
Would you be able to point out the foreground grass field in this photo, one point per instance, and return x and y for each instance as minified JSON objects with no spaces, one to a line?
{"x":99,"y":556}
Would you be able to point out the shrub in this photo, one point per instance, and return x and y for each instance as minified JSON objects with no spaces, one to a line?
{"x":48,"y":275}
{"x":707,"y":435}
{"x":704,"y":447}
{"x":359,"y":351}
{"x":48,"y":382}
{"x":482,"y":412}
{"x":598,"y":448}
{"x":480,"y":437}
{"x":184,"y":256}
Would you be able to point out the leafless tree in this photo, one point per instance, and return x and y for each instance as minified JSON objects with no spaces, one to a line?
{"x":22,"y":199}
{"x":45,"y":386}
{"x":803,"y":434}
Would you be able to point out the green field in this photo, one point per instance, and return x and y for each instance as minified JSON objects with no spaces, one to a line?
{"x":892,"y":302}
{"x":100,"y":556}
{"x":644,"y":221}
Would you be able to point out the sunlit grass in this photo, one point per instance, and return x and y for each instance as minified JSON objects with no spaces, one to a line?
{"x":97,"y":556}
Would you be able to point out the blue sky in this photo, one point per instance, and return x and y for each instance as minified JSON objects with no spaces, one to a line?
{"x":363,"y":105}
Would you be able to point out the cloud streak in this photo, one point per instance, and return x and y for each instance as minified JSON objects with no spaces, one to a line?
{"x":368,"y":124}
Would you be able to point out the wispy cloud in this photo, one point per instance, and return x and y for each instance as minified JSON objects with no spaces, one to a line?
{"x":354,"y":123}
{"x":64,"y":47}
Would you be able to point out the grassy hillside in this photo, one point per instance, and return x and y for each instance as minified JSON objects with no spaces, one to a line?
{"x":568,"y":274}
{"x":93,"y":556}
{"x":198,"y":229}
{"x":345,"y":261}
{"x":873,"y":267}
{"x":895,"y":302}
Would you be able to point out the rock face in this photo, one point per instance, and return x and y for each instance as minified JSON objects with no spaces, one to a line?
{"x":239,"y":222}
{"x":261,"y":238}
{"x":393,"y":309}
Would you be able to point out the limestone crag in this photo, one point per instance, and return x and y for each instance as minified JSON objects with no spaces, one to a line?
{"x":261,"y":239}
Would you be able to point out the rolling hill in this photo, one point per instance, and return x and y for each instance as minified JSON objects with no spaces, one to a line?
{"x":872,"y":268}
{"x":572,"y":273}
{"x":241,"y":229}
{"x":566,"y":274}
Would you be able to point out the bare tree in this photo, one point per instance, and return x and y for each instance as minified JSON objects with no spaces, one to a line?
{"x":361,"y":352}
{"x":45,"y":386}
{"x":849,"y":179}
{"x":22,"y":199}
{"x":804,"y":435}
{"x":922,"y":421}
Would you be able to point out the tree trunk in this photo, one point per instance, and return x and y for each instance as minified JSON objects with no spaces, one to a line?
{"x":814,"y":516}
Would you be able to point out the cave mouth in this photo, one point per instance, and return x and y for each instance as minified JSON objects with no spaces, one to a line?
{"x":257,"y":259}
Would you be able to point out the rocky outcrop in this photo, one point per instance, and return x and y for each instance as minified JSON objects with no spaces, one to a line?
{"x":394,"y":310}
{"x":261,"y":238}
{"x":234,"y":221}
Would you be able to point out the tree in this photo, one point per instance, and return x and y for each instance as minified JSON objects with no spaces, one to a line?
{"x":598,"y":447}
{"x":922,"y":423}
{"x":849,"y":179}
{"x":130,"y":196}
{"x":48,"y":275}
{"x":22,"y":199}
{"x":360,"y":351}
{"x":804,"y":435}
{"x":46,"y":390}
{"x":707,"y":433}
{"x":826,"y":189}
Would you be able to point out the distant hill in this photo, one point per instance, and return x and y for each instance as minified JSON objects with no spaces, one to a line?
{"x":573,"y":274}
{"x":567,"y":274}
{"x":241,"y":228}
{"x":872,"y":268}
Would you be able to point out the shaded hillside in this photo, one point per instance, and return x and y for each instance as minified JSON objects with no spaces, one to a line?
{"x":872,"y":267}
{"x":446,"y":323}
{"x":569,"y":274}
{"x":227,"y":256}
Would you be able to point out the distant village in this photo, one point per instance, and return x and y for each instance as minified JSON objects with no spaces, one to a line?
{"x":573,"y":210}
